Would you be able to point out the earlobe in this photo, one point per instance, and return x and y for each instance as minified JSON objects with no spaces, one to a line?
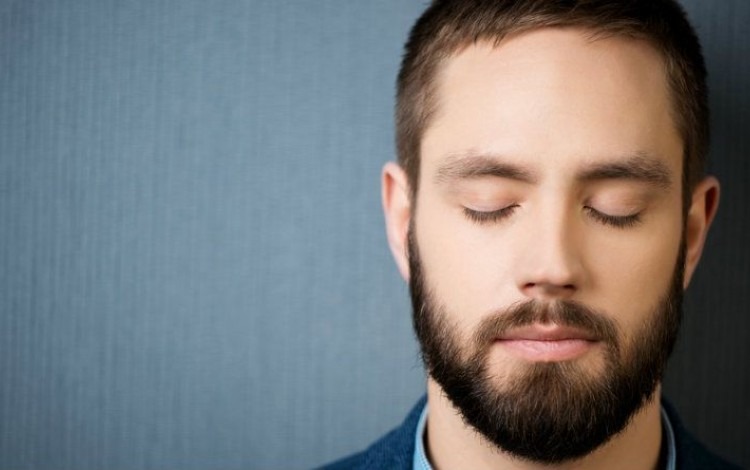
{"x":703,"y":206}
{"x":397,"y":209}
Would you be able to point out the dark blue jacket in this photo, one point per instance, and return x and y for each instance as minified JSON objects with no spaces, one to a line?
{"x":395,"y":450}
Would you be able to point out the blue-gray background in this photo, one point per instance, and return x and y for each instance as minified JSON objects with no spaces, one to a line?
{"x":193,"y":270}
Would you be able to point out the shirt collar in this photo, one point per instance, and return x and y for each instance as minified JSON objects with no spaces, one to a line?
{"x":420,"y":461}
{"x":668,"y":434}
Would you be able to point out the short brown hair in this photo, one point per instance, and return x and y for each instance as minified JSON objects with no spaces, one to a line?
{"x":449,"y":26}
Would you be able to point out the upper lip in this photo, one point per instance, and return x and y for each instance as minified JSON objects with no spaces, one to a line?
{"x":547,"y":332}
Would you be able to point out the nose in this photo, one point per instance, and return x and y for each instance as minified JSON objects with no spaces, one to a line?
{"x":550,"y":266}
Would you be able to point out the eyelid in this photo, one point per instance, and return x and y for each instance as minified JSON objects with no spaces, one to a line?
{"x":490,"y":216}
{"x":618,"y":221}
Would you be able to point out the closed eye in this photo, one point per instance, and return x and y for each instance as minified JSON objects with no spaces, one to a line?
{"x":618,"y":221}
{"x":483,"y":217}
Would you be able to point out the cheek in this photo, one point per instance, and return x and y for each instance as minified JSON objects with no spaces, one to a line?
{"x":473,"y":272}
{"x":635,"y":276}
{"x":468,"y":275}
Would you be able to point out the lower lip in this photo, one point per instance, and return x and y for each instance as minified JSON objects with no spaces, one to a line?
{"x":547,"y":351}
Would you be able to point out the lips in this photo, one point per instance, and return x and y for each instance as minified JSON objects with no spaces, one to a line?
{"x":547,"y":342}
{"x":547,"y":332}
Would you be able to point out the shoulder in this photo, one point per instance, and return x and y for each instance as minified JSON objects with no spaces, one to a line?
{"x":692,"y":454}
{"x":395,"y":450}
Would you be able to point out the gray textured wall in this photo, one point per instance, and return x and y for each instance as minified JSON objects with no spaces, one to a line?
{"x":193,"y":270}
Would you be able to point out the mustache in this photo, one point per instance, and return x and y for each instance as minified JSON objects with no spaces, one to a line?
{"x":563,"y":313}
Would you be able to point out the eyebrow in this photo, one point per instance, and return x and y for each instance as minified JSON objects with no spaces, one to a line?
{"x":641,"y":167}
{"x":471,"y":165}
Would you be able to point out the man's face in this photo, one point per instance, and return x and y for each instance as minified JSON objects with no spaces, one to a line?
{"x":546,"y":235}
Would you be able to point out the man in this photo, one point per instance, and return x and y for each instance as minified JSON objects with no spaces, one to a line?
{"x":548,"y":209}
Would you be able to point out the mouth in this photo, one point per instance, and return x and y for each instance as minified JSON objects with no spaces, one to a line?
{"x":547,"y":342}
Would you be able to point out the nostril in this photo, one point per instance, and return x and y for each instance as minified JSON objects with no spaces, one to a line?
{"x":530,"y":285}
{"x":548,"y":289}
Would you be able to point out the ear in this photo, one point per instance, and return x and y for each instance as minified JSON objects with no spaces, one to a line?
{"x":701,"y":213}
{"x":397,"y":209}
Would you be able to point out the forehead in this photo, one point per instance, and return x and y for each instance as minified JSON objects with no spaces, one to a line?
{"x":553,"y":96}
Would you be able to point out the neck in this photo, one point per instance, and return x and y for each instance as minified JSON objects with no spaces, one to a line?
{"x":452,"y":444}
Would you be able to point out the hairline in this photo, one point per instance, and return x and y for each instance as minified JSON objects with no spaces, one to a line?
{"x":428,"y":96}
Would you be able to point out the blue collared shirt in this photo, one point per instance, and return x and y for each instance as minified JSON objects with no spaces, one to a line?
{"x":420,"y":461}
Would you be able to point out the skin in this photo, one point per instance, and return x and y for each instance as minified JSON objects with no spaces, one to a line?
{"x":535,"y":127}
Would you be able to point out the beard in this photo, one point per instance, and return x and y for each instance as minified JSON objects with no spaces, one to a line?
{"x":546,"y":412}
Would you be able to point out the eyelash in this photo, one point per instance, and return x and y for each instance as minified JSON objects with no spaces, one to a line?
{"x":617,"y":221}
{"x":483,"y":217}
